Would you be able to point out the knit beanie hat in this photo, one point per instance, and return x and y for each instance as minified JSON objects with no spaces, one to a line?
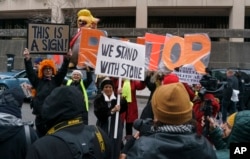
{"x":48,"y":63}
{"x":77,"y":72}
{"x":11,"y":101}
{"x":38,"y":60}
{"x":170,"y":78}
{"x":171,"y":104}
{"x":230,"y":119}
{"x":106,"y":81}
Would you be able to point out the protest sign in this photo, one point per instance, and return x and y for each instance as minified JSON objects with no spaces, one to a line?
{"x":48,"y":38}
{"x":118,"y":58}
{"x":187,"y":74}
{"x":169,"y":52}
{"x":89,"y":46}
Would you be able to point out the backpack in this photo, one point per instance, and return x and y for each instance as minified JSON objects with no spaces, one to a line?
{"x":85,"y":144}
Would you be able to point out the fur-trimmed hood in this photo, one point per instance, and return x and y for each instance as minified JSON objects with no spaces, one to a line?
{"x":44,"y":63}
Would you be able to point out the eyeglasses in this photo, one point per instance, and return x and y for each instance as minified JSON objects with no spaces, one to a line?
{"x":47,"y":69}
{"x":83,"y":22}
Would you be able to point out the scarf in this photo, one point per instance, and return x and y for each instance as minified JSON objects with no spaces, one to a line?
{"x":126,"y":90}
{"x":180,"y":129}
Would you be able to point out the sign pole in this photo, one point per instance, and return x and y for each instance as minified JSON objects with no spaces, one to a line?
{"x":118,"y":103}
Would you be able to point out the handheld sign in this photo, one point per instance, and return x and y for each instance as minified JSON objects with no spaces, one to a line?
{"x":89,"y":43}
{"x":48,"y":38}
{"x":188,"y":74}
{"x":118,"y":58}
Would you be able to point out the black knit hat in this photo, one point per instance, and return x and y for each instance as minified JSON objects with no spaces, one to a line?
{"x":11,"y":101}
{"x":106,"y":81}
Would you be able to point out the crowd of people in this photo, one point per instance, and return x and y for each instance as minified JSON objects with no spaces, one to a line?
{"x":178,"y":121}
{"x":173,"y":119}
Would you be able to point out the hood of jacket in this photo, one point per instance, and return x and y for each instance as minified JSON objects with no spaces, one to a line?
{"x":241,"y":128}
{"x":64,"y":103}
{"x":9,"y":126}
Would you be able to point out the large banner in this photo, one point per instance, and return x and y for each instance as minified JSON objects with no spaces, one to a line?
{"x":48,"y":38}
{"x":117,"y":58}
{"x":170,"y":52}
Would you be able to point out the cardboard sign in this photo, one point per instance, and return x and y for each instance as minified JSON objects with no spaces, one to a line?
{"x":117,"y":58}
{"x":169,"y":52}
{"x":48,"y":38}
{"x":188,"y":74}
{"x":89,"y":46}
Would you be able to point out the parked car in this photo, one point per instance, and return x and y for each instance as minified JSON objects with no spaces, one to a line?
{"x":12,"y":79}
{"x":16,"y":77}
{"x":220,"y":74}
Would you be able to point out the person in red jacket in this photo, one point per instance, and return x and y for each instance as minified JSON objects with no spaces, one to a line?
{"x":129,"y":88}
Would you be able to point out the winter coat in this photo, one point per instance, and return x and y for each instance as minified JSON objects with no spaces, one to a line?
{"x":62,"y":114}
{"x":44,"y":86}
{"x":52,"y":147}
{"x":13,"y":144}
{"x":163,"y":145}
{"x":106,"y":121}
{"x":239,"y":133}
{"x":199,"y":109}
{"x":132,"y":112}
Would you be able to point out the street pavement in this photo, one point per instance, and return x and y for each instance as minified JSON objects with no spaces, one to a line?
{"x":28,"y":116}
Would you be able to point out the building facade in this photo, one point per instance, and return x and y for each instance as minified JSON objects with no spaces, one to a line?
{"x":226,"y":21}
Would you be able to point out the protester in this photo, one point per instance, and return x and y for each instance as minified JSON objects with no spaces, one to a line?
{"x":167,"y":79}
{"x":44,"y":82}
{"x":67,"y":136}
{"x":173,"y":134}
{"x":105,"y":108}
{"x":235,"y":130}
{"x":153,"y":80}
{"x":129,"y":88}
{"x":15,"y":136}
{"x":206,"y":103}
{"x":77,"y":81}
{"x":231,"y":90}
{"x":37,"y":62}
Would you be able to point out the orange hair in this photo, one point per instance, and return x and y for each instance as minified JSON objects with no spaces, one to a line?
{"x":46,"y":62}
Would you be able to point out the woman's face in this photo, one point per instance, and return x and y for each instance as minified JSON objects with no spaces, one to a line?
{"x":108,"y":90}
{"x":226,"y":130}
{"x":47,"y":71}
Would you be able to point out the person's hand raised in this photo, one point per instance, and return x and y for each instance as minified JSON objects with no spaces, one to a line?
{"x":26,"y":54}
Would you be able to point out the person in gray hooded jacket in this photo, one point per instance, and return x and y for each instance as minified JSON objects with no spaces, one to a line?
{"x":15,"y":136}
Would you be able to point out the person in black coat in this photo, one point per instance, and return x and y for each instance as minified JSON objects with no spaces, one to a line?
{"x":172,"y":134}
{"x":43,"y":82}
{"x":67,"y":136}
{"x":231,"y":89}
{"x":15,"y":136}
{"x":105,"y":108}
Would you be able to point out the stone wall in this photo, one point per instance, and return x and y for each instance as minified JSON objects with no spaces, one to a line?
{"x":223,"y":53}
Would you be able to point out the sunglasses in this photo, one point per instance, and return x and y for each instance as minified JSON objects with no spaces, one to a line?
{"x":83,"y":22}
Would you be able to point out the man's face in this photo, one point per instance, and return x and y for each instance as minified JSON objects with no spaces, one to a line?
{"x":47,"y":71}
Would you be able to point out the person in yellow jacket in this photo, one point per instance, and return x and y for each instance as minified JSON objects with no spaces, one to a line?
{"x":77,"y":81}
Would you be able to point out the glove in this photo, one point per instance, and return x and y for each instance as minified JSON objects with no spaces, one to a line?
{"x":128,"y":145}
